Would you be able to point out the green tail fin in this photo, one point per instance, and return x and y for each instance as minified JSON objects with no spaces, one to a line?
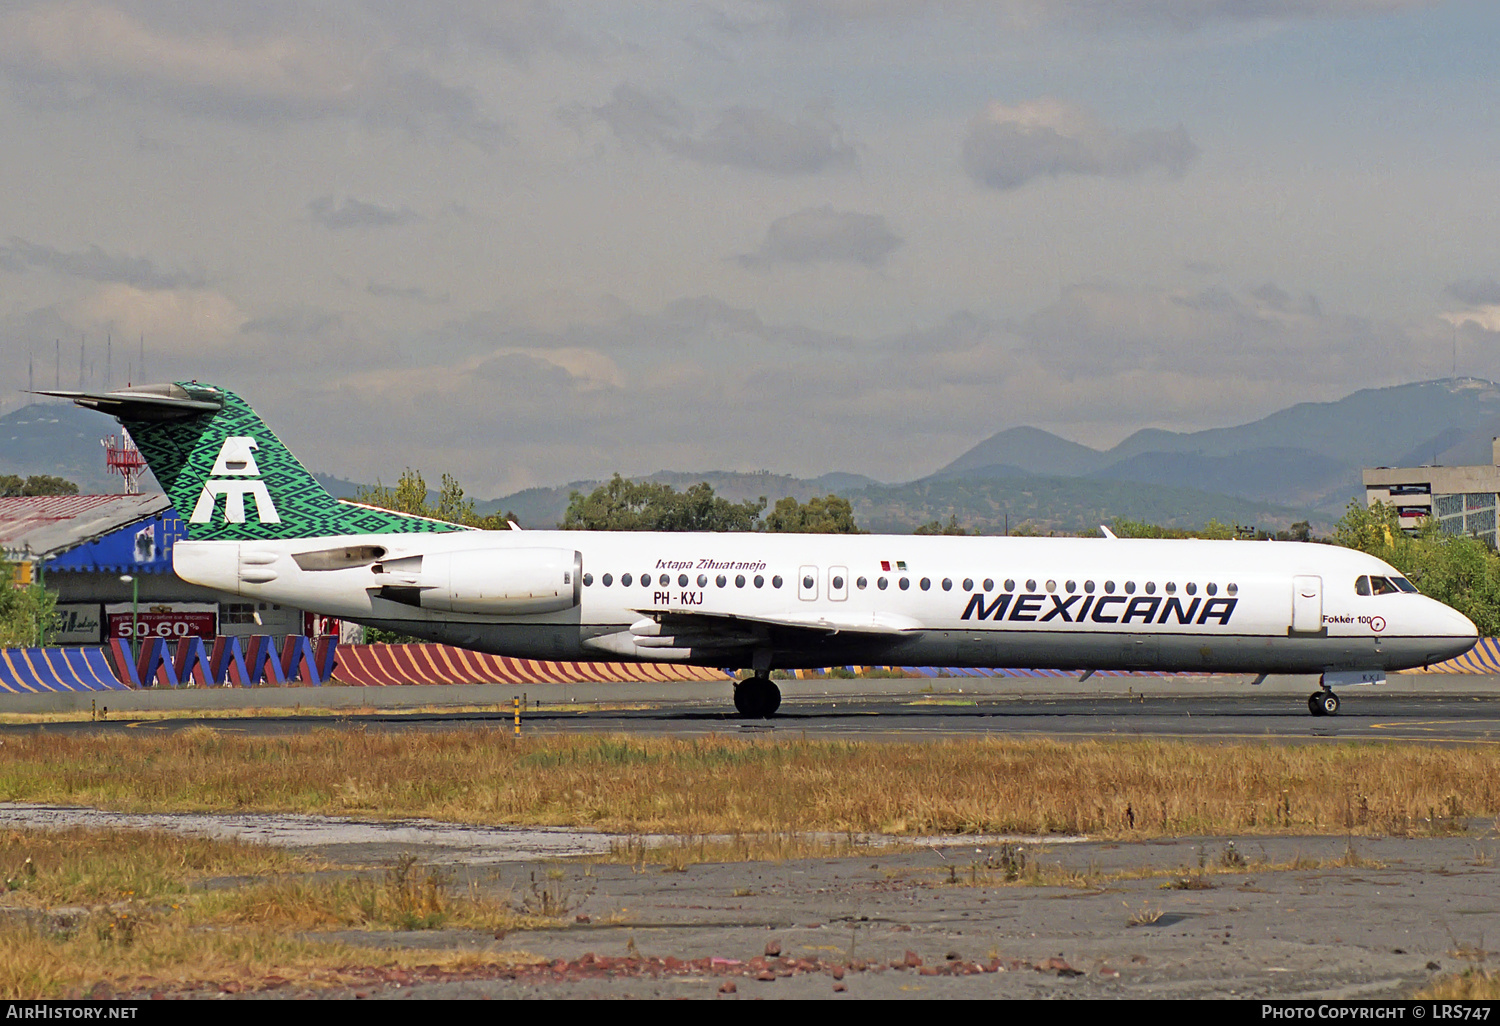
{"x":228,"y":475}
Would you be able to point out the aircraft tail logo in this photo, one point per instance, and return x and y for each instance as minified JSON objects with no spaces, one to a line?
{"x":235,"y":458}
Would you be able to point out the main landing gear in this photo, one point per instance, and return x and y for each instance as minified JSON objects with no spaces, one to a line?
{"x":757,"y":698}
{"x":1323,"y":703}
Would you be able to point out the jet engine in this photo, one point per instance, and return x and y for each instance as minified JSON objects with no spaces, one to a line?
{"x":502,"y":581}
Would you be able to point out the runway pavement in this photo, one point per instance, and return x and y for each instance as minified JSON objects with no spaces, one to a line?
{"x":1449,"y":708}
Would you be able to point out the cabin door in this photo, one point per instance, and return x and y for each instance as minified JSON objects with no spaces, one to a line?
{"x":1307,"y":605}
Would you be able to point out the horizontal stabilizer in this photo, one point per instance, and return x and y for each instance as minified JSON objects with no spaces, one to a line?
{"x":148,"y":402}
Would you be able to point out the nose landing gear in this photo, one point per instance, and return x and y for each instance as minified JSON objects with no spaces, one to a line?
{"x":1323,"y":703}
{"x":757,"y":698}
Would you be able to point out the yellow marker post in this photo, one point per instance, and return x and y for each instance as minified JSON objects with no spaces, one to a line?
{"x":516,"y":701}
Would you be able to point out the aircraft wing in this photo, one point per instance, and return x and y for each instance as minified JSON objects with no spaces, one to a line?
{"x":669,"y":622}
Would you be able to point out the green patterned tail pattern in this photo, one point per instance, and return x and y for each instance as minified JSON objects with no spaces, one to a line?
{"x":231,"y":479}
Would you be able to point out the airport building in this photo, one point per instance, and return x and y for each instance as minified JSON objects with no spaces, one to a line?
{"x":1462,"y":498}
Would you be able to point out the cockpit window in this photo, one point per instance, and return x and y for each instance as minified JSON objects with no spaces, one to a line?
{"x":1382,"y":586}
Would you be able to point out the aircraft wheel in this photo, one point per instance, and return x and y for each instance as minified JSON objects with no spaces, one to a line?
{"x":1329,"y":702}
{"x":771,"y":700}
{"x":1314,"y":703}
{"x":757,"y":698}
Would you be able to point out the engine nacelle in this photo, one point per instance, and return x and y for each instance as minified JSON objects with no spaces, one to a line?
{"x":501,"y":581}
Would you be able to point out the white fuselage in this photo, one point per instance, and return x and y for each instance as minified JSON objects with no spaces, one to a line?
{"x":796,"y":600}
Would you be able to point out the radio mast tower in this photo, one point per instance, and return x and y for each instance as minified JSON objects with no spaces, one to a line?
{"x":123,"y":458}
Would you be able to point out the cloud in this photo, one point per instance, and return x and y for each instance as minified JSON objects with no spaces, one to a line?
{"x":94,"y":264}
{"x":819,"y":234}
{"x":1475,"y":291}
{"x":1267,"y":335}
{"x":294,"y":322}
{"x":413,"y":293}
{"x":185,"y":320}
{"x":353,"y":213}
{"x":212,"y":63}
{"x":1007,"y":147}
{"x":832,"y":15}
{"x":745,"y":137}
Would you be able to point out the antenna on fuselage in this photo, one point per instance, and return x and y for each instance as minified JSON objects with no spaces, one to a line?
{"x":1107,"y":532}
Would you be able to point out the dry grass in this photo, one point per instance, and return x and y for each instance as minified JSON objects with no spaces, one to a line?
{"x":777,"y":846}
{"x":759,"y":785}
{"x":130,"y":909}
{"x":48,"y":868}
{"x":1469,"y":985}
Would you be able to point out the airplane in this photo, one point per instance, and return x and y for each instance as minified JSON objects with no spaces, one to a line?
{"x":260,"y":526}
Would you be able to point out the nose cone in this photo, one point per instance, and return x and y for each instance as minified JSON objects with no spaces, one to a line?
{"x":1455,"y":633}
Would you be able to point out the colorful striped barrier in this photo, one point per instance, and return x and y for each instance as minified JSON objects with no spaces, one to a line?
{"x":383,"y":665}
{"x":1484,"y":657}
{"x":30,"y":670}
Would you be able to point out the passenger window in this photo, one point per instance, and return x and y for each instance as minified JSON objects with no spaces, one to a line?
{"x":1190,"y":588}
{"x":968,"y":584}
{"x":608,"y":579}
{"x":926,"y":583}
{"x":1109,"y":587}
{"x":1071,"y":586}
{"x":776,"y":581}
{"x":989,"y":585}
{"x":682,"y":580}
{"x":1211,"y":588}
{"x":1232,"y":589}
{"x":1088,"y":587}
{"x":1150,"y":587}
{"x":588,"y":580}
{"x":808,"y":581}
{"x":880,"y":582}
{"x":1130,"y":587}
{"x":838,"y":584}
{"x":760,"y":582}
{"x":703,"y":580}
{"x":947,"y":584}
{"x":1010,"y":585}
{"x":1170,"y":588}
{"x":625,"y":580}
{"x":1031,"y":585}
{"x":861,"y":584}
{"x":721,"y":581}
{"x":905,"y":583}
{"x":739,"y":580}
{"x":646,"y":580}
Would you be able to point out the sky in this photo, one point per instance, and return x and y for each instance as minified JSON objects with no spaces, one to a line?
{"x":527,"y":242}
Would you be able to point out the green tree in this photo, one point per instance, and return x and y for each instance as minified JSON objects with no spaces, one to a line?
{"x":1125,"y":528}
{"x":938,"y":527}
{"x":12,"y":485}
{"x":410,"y":496}
{"x":1458,"y":571}
{"x":625,"y":505}
{"x":25,"y":610}
{"x":831,"y":515}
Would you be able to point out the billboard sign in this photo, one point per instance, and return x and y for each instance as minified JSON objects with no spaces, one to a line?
{"x":169,"y":620}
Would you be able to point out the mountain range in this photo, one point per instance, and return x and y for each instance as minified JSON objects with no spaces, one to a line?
{"x":1299,"y":463}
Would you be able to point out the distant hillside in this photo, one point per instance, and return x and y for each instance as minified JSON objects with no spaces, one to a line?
{"x":63,"y":439}
{"x":1062,"y":505}
{"x":1308,"y":455}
